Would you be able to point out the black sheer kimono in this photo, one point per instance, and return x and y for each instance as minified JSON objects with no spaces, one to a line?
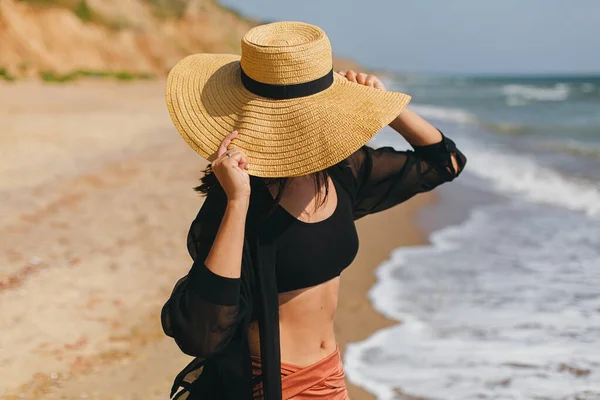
{"x":208,"y":315}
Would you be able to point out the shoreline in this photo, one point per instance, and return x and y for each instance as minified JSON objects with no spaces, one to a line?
{"x":379,"y":234}
{"x":93,"y":240}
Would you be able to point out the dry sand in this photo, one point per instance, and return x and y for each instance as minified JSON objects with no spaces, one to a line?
{"x":96,"y":200}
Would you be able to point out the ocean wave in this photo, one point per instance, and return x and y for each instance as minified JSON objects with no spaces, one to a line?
{"x":517,"y":94}
{"x":511,"y":173}
{"x":501,"y":306}
{"x":455,"y":115}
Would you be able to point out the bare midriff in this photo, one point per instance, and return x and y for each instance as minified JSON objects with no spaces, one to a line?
{"x":305,"y":324}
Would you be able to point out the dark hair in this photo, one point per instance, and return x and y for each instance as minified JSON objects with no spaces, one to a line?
{"x":320,"y":179}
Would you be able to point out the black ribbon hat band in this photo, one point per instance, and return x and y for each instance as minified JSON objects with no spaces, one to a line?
{"x":281,"y":92}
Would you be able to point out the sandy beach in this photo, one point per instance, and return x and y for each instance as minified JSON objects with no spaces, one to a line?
{"x":96,"y":195}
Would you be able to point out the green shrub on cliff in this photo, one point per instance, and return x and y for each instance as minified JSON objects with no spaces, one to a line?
{"x":83,"y":11}
{"x":169,"y":8}
{"x":6,"y":76}
{"x":53,"y":77}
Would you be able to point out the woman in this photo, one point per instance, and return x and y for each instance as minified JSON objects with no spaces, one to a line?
{"x":290,"y":174}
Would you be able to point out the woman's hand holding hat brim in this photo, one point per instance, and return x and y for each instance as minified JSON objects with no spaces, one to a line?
{"x":363,"y":79}
{"x":230,"y":167}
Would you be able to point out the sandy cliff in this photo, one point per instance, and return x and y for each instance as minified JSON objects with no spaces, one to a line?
{"x":100,"y":36}
{"x":112,"y":35}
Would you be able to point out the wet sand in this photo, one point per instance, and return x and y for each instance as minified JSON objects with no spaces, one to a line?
{"x":96,"y":199}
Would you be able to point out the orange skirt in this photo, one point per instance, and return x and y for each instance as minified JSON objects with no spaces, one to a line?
{"x":321,"y":380}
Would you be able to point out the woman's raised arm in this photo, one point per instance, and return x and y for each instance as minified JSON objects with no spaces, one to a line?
{"x":385,"y":177}
{"x":206,"y":305}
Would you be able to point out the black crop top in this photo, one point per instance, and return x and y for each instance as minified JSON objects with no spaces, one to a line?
{"x":310,"y":253}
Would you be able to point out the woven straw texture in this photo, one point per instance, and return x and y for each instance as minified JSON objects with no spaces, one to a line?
{"x":282,"y":138}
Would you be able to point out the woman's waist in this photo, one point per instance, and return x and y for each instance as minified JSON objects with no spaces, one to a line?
{"x":300,"y":344}
{"x":305,"y":324}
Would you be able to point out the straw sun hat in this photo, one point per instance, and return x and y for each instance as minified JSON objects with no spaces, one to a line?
{"x":294,"y":115}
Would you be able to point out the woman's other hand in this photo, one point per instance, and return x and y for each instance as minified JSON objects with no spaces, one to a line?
{"x":363,"y":79}
{"x":230,"y":170}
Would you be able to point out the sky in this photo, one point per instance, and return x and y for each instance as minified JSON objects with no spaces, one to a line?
{"x":451,"y":36}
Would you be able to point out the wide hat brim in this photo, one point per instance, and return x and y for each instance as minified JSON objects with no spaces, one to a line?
{"x":282,"y":138}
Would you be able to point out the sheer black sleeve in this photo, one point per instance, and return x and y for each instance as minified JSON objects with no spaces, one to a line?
{"x":385,"y":177}
{"x":204,"y":308}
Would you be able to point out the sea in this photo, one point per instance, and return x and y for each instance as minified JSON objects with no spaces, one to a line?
{"x":504,"y":303}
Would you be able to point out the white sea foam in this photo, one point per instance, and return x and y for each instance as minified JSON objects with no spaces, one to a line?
{"x":524,"y":93}
{"x":516,"y":174}
{"x":504,"y":306}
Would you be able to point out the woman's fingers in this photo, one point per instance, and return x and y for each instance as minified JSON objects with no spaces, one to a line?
{"x":379,"y":85}
{"x":235,"y":155}
{"x":225,"y":157}
{"x":225,"y":143}
{"x":370,"y":80}
{"x":238,"y":158}
{"x":228,"y":170}
{"x":362,"y":79}
{"x":375,"y":82}
{"x":351,"y":75}
{"x":244,"y":161}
